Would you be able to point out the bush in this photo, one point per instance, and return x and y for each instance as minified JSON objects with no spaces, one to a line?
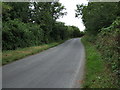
{"x":17,"y":34}
{"x":108,"y":43}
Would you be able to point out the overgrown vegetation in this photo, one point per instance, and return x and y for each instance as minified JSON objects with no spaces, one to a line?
{"x":108,"y":43}
{"x":98,"y":15}
{"x":28,"y":24}
{"x":103,"y":31}
{"x":97,"y":73}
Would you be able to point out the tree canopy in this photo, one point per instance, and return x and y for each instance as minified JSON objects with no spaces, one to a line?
{"x":34,"y":23}
{"x":97,"y":15}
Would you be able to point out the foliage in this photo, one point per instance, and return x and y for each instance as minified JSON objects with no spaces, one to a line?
{"x":97,"y":15}
{"x":102,"y":24}
{"x":57,"y":10}
{"x":15,"y":10}
{"x":34,"y":23}
{"x":108,"y":43}
{"x":76,"y":32}
{"x":17,"y":34}
{"x":59,"y":31}
{"x":98,"y":75}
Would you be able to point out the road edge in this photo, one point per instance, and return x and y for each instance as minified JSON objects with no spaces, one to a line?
{"x":79,"y":78}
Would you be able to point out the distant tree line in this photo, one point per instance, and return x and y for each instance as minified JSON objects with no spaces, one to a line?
{"x":34,"y":23}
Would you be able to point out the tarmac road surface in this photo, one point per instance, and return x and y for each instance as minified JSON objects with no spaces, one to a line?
{"x":58,"y":67}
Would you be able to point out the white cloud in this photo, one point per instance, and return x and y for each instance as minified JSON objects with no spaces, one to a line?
{"x":70,"y":19}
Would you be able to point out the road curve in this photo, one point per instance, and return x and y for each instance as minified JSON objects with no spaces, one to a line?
{"x":58,"y":67}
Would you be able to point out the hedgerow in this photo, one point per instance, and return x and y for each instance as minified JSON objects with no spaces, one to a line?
{"x":16,"y":34}
{"x":108,"y":43}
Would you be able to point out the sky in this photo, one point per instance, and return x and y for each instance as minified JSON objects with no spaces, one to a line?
{"x":70,"y":19}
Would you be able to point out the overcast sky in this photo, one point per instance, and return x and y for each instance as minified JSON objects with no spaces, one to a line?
{"x":70,"y":19}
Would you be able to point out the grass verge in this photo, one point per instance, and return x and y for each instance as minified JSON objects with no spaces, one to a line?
{"x":97,"y":73}
{"x":13,"y":55}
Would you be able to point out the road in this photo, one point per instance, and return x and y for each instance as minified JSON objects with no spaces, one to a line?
{"x":58,"y":67}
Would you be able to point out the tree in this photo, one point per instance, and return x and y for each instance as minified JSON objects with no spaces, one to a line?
{"x":16,"y":10}
{"x":30,"y":23}
{"x":97,"y":15}
{"x":46,"y":14}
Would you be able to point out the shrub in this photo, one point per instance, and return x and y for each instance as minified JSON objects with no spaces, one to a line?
{"x":108,"y":43}
{"x":17,"y":34}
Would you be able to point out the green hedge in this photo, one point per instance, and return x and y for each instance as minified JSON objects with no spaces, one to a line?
{"x":108,"y":42}
{"x":16,"y":34}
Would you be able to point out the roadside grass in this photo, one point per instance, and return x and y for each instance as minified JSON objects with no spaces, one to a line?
{"x":98,"y":75}
{"x":13,"y":55}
